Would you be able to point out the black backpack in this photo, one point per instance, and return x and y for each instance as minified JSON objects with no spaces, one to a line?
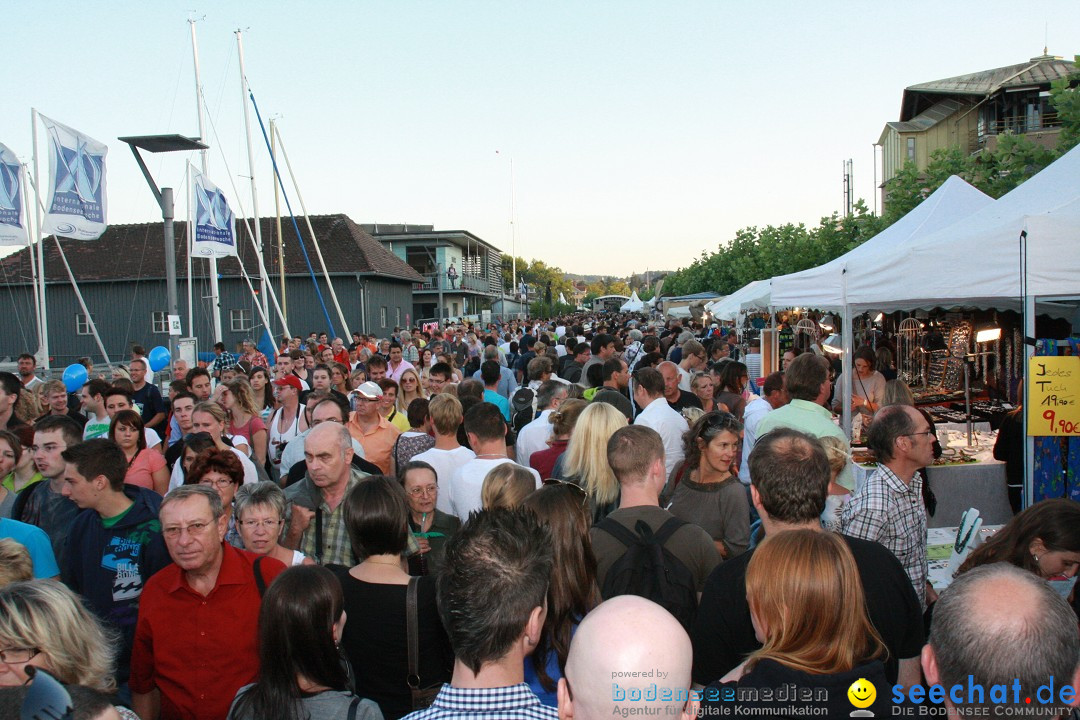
{"x":522,"y":411}
{"x":650,"y":570}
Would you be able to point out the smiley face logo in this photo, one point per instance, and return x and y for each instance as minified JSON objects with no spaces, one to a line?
{"x":862,"y":693}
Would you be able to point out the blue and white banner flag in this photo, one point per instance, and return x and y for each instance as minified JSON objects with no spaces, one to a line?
{"x":12,"y":209}
{"x":215,"y":223}
{"x":75,"y":206}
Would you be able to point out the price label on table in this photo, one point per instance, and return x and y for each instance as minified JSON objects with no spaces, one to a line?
{"x":1053,"y":395}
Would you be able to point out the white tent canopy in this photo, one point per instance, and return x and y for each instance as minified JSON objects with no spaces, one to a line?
{"x":823,"y":286}
{"x":634,"y":304}
{"x":752,"y":294}
{"x":978,"y":260}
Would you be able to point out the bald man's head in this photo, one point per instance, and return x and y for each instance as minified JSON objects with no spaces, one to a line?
{"x":1000,"y":625}
{"x":622,"y":636}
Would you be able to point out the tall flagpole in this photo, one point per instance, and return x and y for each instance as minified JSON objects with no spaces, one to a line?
{"x":43,"y":322}
{"x":244,"y":91}
{"x":212,"y":267}
{"x":30,"y":214}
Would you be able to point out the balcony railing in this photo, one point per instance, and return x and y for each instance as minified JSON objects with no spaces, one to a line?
{"x":475,"y":283}
{"x":1021,"y":124}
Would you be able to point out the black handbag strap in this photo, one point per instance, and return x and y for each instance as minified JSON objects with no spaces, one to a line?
{"x":412,"y":621}
{"x":318,"y":536}
{"x":352,"y":708}
{"x":260,"y":582}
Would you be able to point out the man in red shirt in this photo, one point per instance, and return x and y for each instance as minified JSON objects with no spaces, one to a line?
{"x":195,"y":641}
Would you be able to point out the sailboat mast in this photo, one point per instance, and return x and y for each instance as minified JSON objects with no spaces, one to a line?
{"x":263,"y":296}
{"x":277,"y":217}
{"x":212,"y":267}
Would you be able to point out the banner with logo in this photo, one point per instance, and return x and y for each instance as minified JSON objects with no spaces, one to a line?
{"x":76,"y":205}
{"x":214,"y":221}
{"x":12,"y":209}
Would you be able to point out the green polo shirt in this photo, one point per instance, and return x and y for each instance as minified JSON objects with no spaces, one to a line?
{"x":810,"y":418}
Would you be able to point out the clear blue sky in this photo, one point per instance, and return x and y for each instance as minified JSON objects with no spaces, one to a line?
{"x":642,"y":133}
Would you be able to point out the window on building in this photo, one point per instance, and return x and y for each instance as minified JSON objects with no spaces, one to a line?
{"x":382,"y":316}
{"x":397,"y":316}
{"x":159,"y":322}
{"x":455,"y":313}
{"x":82,"y":324}
{"x":911,"y":149}
{"x":240,"y":320}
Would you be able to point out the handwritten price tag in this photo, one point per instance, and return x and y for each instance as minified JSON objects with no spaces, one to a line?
{"x":1053,"y":389}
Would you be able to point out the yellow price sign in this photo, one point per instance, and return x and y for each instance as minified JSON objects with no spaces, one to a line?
{"x":1053,"y":395}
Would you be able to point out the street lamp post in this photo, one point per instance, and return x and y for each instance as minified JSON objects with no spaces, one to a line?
{"x":164,"y":196}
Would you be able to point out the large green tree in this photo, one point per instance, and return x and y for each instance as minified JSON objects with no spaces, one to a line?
{"x":1065,"y":97}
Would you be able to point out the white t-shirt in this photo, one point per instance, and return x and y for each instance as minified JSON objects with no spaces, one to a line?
{"x":671,"y":426}
{"x":684,"y":378}
{"x":755,"y":410}
{"x":250,"y":474}
{"x":446,"y":463}
{"x":468,"y":482}
{"x":152,"y":438}
{"x":533,"y":437}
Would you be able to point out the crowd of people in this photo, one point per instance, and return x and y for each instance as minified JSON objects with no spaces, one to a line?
{"x":576,"y":517}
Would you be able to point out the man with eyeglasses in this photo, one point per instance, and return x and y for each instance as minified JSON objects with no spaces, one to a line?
{"x":195,"y":641}
{"x":693,"y":360}
{"x":115,"y":544}
{"x":367,"y":424}
{"x":888,"y":509}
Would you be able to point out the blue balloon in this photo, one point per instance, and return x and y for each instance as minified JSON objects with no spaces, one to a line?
{"x":74,"y":377}
{"x":159,"y":358}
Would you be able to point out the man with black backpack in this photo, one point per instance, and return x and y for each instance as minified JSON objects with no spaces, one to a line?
{"x":642,"y":549}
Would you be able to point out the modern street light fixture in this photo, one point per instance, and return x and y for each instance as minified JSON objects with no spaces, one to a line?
{"x":164,"y":196}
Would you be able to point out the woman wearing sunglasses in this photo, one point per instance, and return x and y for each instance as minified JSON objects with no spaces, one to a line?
{"x":709,"y":493}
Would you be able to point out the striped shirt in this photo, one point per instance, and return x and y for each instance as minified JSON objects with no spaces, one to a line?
{"x":890,"y":512}
{"x":516,"y":702}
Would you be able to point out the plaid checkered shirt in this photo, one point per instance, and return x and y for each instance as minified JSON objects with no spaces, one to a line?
{"x":890,"y":512}
{"x":516,"y":702}
{"x":225,"y":360}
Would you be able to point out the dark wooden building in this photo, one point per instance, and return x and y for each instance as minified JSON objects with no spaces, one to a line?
{"x":122,"y":279}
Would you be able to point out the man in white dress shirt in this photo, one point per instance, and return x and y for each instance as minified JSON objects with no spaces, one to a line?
{"x":655,"y":413}
{"x":534,"y":436}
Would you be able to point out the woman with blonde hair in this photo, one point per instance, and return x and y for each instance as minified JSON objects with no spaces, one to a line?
{"x":244,"y":421}
{"x":409,"y":388}
{"x":28,"y":408}
{"x":702,"y":386}
{"x":44,"y":624}
{"x":836,"y":450}
{"x":585,"y":461}
{"x":506,"y":486}
{"x":808,"y":610}
{"x":562,"y":422}
{"x":15,"y":563}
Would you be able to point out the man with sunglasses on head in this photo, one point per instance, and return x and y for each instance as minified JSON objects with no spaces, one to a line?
{"x":195,"y":640}
{"x":888,"y":508}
